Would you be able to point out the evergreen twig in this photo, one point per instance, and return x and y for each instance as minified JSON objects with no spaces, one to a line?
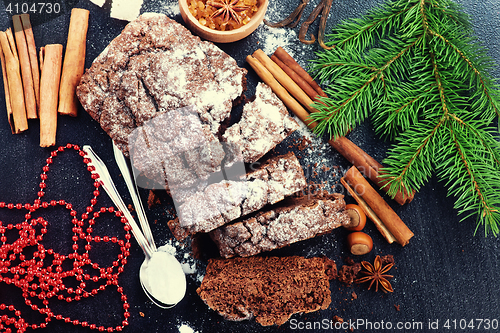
{"x":413,"y":67}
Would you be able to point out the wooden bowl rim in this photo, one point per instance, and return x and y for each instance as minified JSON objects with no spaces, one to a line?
{"x":245,"y":30}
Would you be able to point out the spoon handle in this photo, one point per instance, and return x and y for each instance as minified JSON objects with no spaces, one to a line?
{"x":110,"y":188}
{"x":132,"y":188}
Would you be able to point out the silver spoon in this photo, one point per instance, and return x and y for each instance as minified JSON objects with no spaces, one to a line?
{"x":161,"y":275}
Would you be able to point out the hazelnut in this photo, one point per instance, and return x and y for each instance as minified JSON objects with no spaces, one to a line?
{"x":359,"y":243}
{"x":358,"y":217}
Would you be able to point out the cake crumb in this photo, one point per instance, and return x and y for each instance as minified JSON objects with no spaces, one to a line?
{"x":347,"y":273}
{"x":141,"y":314}
{"x":337,"y":319}
{"x":354,"y":295}
{"x":153,"y":199}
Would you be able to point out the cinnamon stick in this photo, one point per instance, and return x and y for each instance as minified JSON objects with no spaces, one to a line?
{"x":284,"y":80}
{"x":313,"y":95}
{"x":49,"y":89}
{"x":24,"y":62}
{"x":12,"y":42}
{"x":288,"y":60}
{"x":369,"y":212}
{"x":6,"y":90}
{"x":74,"y":61}
{"x":391,"y":220}
{"x":16,"y":96}
{"x":30,"y":42}
{"x":280,"y":91}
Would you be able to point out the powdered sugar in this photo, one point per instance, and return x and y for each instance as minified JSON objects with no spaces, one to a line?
{"x":184,"y":328}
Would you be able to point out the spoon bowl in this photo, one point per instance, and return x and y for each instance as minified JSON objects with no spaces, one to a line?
{"x":160,"y":280}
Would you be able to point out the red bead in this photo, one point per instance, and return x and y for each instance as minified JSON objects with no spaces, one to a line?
{"x":49,"y":160}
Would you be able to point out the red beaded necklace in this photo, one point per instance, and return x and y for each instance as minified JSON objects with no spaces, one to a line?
{"x":38,"y":271}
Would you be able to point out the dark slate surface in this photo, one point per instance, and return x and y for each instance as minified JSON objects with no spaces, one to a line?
{"x":445,"y":273}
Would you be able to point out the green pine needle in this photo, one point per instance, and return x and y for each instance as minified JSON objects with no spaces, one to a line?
{"x":414,"y":69}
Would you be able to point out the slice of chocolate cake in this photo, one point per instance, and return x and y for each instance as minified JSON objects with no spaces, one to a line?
{"x":265,"y":122}
{"x":271,"y":289}
{"x":157,"y":65}
{"x":290,"y":221}
{"x":223,"y":202}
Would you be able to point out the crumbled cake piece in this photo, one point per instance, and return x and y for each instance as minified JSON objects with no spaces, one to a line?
{"x":265,"y":122}
{"x":348,"y":272}
{"x":271,"y":289}
{"x":290,"y":221}
{"x":157,"y":65}
{"x":223,"y":202}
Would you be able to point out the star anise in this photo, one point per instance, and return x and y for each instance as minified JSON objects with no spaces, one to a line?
{"x":228,"y":9}
{"x":375,"y":274}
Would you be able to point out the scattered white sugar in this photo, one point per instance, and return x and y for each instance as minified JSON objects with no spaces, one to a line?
{"x":126,"y":9}
{"x":318,"y":161}
{"x":171,"y":9}
{"x":100,"y":3}
{"x":169,"y":248}
{"x":184,"y":328}
{"x":273,"y":37}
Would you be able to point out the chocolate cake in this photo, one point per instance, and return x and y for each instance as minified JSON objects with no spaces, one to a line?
{"x":265,"y":122}
{"x":176,"y":148}
{"x":288,"y":222}
{"x":271,"y":289}
{"x":223,"y":202}
{"x":157,"y":65}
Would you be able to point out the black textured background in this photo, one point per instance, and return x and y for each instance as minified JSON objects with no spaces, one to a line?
{"x":444,"y":273}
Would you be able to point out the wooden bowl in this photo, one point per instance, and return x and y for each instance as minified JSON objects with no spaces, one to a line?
{"x":221,"y":36}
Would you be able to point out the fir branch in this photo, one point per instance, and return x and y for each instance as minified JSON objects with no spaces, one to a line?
{"x":413,"y":68}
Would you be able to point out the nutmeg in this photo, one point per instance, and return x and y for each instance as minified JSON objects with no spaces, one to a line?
{"x":359,"y":243}
{"x":358,"y":217}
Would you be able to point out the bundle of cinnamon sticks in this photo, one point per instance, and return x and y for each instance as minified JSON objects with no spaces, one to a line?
{"x":298,"y":91}
{"x":34,"y":91}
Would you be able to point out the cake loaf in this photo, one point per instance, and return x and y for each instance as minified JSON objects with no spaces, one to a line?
{"x":157,"y":65}
{"x":265,"y":122}
{"x":271,"y":289}
{"x":293,"y":220}
{"x":223,"y":202}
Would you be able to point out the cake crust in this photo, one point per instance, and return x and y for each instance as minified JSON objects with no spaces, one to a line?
{"x":223,"y":202}
{"x":294,"y":220}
